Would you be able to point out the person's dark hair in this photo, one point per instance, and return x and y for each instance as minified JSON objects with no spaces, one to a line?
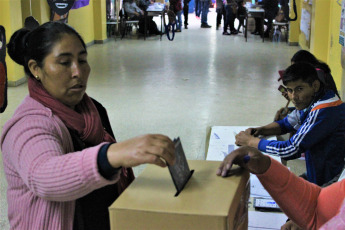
{"x":306,"y":56}
{"x":38,"y":43}
{"x":300,"y":71}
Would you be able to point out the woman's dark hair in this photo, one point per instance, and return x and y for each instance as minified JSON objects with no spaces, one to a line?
{"x":306,"y":56}
{"x":300,"y":71}
{"x":38,"y":43}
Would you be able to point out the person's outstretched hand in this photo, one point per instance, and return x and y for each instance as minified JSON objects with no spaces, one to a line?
{"x":151,"y":148}
{"x":247,"y":157}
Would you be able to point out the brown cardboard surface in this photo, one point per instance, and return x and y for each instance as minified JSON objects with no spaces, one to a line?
{"x":207,"y":201}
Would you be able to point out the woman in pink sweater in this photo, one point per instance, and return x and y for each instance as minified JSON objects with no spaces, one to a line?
{"x":308,"y":205}
{"x":62,"y":163}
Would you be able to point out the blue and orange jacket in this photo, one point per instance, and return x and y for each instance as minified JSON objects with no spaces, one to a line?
{"x":320,"y":135}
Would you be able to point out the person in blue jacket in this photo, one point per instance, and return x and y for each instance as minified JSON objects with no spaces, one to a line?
{"x":319,"y":121}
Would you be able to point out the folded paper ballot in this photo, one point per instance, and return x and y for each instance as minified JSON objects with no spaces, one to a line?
{"x":180,"y":171}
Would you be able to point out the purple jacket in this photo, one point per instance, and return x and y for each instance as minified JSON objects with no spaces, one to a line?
{"x":44,"y":174}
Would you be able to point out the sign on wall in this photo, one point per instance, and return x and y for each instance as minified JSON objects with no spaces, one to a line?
{"x":80,"y":3}
{"x":342,"y":24}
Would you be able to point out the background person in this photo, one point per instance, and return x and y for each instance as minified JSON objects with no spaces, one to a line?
{"x":271,"y":9}
{"x":176,"y":7}
{"x":220,"y":9}
{"x":132,"y":10}
{"x":186,"y":12}
{"x":230,"y":5}
{"x":307,"y":204}
{"x":204,"y":8}
{"x":61,"y":160}
{"x":151,"y":25}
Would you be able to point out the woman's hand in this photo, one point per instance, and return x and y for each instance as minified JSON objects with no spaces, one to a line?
{"x":151,"y":148}
{"x":246,"y":157}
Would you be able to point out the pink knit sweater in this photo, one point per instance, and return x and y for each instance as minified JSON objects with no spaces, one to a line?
{"x":44,"y":174}
{"x":306,"y":204}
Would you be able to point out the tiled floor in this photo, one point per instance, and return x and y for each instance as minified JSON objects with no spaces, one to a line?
{"x":180,"y":87}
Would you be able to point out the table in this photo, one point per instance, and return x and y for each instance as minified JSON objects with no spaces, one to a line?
{"x":154,"y":12}
{"x":255,"y":13}
{"x":220,"y":141}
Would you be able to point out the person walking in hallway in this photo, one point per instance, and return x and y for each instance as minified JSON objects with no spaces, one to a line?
{"x":205,"y":5}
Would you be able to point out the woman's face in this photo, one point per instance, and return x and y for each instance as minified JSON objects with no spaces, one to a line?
{"x":65,"y":71}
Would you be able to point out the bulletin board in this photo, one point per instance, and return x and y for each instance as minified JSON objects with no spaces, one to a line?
{"x":306,"y":20}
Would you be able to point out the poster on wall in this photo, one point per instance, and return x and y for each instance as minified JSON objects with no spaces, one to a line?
{"x":3,"y":70}
{"x":342,"y":24}
{"x":342,"y":33}
{"x":59,"y":9}
{"x":305,"y":23}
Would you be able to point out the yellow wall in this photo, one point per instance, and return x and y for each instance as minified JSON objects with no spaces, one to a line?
{"x":303,"y":42}
{"x":11,"y":22}
{"x":320,"y":28}
{"x":100,"y":20}
{"x":334,"y":54}
{"x":294,"y":25}
{"x":82,"y":20}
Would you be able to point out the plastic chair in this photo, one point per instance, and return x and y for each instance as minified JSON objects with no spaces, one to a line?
{"x":126,"y":24}
{"x":277,"y":28}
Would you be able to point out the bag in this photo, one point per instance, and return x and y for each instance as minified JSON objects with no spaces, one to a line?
{"x":280,"y":16}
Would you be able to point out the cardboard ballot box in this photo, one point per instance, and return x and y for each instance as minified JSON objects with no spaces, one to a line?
{"x":206,"y":202}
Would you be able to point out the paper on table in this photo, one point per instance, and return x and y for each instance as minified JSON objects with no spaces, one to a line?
{"x":157,"y":6}
{"x":265,"y":220}
{"x":256,"y":188}
{"x":222,"y":142}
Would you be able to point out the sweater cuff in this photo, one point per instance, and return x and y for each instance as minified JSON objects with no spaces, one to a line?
{"x":262,"y":145}
{"x":104,"y":167}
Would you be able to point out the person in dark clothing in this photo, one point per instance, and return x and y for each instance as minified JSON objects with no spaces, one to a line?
{"x":151,"y":25}
{"x":185,"y":12}
{"x":241,"y":14}
{"x":271,"y":9}
{"x":230,"y":17}
{"x":176,"y":7}
{"x":220,"y":9}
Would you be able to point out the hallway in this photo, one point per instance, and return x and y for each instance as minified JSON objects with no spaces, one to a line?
{"x":179,"y":88}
